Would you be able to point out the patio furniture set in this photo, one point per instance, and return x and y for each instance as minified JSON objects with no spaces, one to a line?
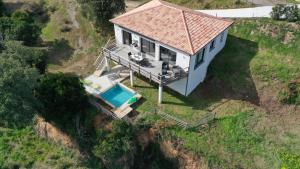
{"x":169,"y":71}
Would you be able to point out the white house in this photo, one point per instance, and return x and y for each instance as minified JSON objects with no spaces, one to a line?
{"x":168,"y":44}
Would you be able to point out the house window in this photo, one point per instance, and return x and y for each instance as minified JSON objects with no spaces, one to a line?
{"x":127,"y":38}
{"x":167,"y":55}
{"x":222,"y":37}
{"x":212,"y":45}
{"x":148,"y":47}
{"x":199,"y":58}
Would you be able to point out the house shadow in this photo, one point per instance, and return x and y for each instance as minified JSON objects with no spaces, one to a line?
{"x":229,"y":77}
{"x":59,"y":51}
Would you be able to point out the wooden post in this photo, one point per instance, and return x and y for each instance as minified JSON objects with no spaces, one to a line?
{"x":107,"y":63}
{"x":160,"y":93}
{"x":131,"y":77}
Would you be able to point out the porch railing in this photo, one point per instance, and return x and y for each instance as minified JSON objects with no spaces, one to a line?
{"x":122,"y":60}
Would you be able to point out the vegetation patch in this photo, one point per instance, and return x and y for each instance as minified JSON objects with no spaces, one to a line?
{"x":290,"y":94}
{"x":24,"y":149}
{"x":227,"y":142}
{"x":289,"y":160}
{"x":210,"y":4}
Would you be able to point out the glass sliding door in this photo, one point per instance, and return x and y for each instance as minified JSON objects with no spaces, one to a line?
{"x":127,"y":38}
{"x":147,"y":47}
{"x":167,"y":55}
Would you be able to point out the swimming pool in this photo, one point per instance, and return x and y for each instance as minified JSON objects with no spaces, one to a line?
{"x":117,"y":95}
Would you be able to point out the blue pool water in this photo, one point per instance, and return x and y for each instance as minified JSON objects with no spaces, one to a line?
{"x":117,"y":95}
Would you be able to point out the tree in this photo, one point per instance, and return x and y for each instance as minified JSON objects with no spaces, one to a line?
{"x":33,"y":57}
{"x":17,"y":101}
{"x":278,"y":12}
{"x":292,"y":13}
{"x":2,"y":8}
{"x":103,"y":10}
{"x":63,"y":96}
{"x":20,"y":27}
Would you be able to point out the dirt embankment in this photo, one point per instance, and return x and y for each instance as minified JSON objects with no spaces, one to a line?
{"x":49,"y":131}
{"x":186,"y":160}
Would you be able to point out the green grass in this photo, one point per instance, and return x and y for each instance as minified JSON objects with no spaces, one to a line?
{"x":276,"y":57}
{"x":293,"y":1}
{"x":79,"y":43}
{"x":209,"y":4}
{"x":230,"y":138}
{"x":238,"y":142}
{"x":24,"y":149}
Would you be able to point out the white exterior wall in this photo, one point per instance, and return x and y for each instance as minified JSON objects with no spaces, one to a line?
{"x":182,"y":59}
{"x":118,"y":34}
{"x":186,"y":85}
{"x":198,"y":75}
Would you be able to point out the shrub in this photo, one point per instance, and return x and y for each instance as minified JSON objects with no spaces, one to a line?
{"x":17,"y":101}
{"x":291,"y":94}
{"x":29,"y":56}
{"x":278,"y":12}
{"x":2,"y":8}
{"x":62,"y":95}
{"x":18,"y":28}
{"x":116,"y":145}
{"x":292,"y":13}
{"x":102,"y":11}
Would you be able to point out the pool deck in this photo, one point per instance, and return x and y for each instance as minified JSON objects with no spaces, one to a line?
{"x":95,"y":85}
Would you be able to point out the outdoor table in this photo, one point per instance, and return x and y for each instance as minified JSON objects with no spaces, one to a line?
{"x":137,"y":58}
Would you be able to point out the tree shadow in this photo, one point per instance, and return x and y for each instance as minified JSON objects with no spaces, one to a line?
{"x":59,"y":52}
{"x":229,"y":77}
{"x":12,"y":6}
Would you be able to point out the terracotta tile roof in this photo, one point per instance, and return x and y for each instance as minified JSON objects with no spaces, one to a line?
{"x":176,"y":26}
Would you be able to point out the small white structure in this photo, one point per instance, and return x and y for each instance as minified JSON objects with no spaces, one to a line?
{"x":177,"y":44}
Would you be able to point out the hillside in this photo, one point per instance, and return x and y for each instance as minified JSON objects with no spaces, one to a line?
{"x":253,"y":87}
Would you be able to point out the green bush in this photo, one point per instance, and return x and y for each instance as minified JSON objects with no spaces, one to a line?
{"x":291,"y":94}
{"x":62,"y":95}
{"x":116,"y":145}
{"x":17,"y":101}
{"x":292,"y":13}
{"x":2,"y":8}
{"x":29,"y":56}
{"x":102,"y":11}
{"x":278,"y":11}
{"x":20,"y":27}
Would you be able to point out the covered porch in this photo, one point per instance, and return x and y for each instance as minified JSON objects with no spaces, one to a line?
{"x":149,"y":67}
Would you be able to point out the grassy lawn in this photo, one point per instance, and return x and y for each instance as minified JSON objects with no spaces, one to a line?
{"x":242,"y":141}
{"x":22,"y":148}
{"x":293,"y":1}
{"x":208,"y":4}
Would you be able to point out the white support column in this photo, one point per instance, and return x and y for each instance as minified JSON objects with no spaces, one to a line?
{"x":131,"y":78}
{"x":160,"y":93}
{"x":157,"y":52}
{"x":107,"y":64}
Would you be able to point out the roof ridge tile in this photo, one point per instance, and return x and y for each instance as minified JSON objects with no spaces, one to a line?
{"x":187,"y":31}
